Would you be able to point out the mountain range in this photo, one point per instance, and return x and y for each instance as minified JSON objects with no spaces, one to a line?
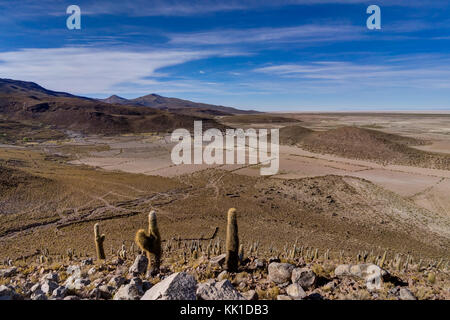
{"x":177,"y":105}
{"x":21,"y":100}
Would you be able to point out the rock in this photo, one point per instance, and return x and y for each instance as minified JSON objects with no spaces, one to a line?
{"x":178,"y":286}
{"x":240,"y":278}
{"x":7,"y":293}
{"x":137,"y":281}
{"x":296,"y":291}
{"x":79,"y":284}
{"x":71,"y":298}
{"x":218,"y":260}
{"x":92,"y":271}
{"x":9,"y":272}
{"x":74,"y":271}
{"x":74,"y":283}
{"x":222,"y":290}
{"x":52,"y":276}
{"x":406,"y":294}
{"x":38,"y":295}
{"x":116,"y":281}
{"x":59,"y":293}
{"x":102,"y":292}
{"x":129,"y":292}
{"x":87,"y":262}
{"x":304,"y":277}
{"x":35,"y":287}
{"x":372,"y":274}
{"x":283,"y":297}
{"x":97,"y":282}
{"x":250,"y":295}
{"x":47,"y":286}
{"x":223,"y":275}
{"x":280,"y":272}
{"x":258,"y":264}
{"x":329,"y":286}
{"x":139,"y":265}
{"x":342,"y":270}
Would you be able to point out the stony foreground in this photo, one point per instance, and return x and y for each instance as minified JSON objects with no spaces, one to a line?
{"x":205,"y":279}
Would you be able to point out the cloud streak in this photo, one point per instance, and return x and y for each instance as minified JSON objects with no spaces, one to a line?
{"x":419,"y":73}
{"x":90,"y":70}
{"x":304,"y":33}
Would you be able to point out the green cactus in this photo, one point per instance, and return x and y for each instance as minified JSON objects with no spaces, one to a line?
{"x":232,"y":242}
{"x":99,"y":239}
{"x":150,"y":243}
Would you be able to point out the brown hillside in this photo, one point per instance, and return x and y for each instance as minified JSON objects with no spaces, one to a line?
{"x":27,"y":101}
{"x":365,"y":144}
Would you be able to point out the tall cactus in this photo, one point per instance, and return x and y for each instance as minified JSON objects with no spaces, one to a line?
{"x":383,"y":260}
{"x":232,"y":242}
{"x":99,"y":239}
{"x":150,"y":243}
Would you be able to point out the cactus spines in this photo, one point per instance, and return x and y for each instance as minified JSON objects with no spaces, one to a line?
{"x":99,"y":239}
{"x":150,"y":243}
{"x":232,"y":242}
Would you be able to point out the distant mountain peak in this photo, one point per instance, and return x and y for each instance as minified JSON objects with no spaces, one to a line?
{"x":157,"y":101}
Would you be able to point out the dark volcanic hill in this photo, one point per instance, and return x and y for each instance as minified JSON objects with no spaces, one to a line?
{"x":177,"y":105}
{"x":28,"y":101}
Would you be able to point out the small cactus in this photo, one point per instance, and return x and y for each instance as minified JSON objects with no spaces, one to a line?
{"x":241,"y":253}
{"x":99,"y":239}
{"x":431,"y":278}
{"x":232,"y":242}
{"x":150,"y":243}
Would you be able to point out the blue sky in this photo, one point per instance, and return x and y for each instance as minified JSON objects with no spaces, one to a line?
{"x":284,"y":55}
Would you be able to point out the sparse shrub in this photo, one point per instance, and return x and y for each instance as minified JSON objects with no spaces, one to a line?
{"x":431,"y":278}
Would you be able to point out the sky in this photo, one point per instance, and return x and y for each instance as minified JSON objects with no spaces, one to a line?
{"x":286,"y":55}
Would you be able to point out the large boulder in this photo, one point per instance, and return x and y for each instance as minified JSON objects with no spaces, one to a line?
{"x":129,"y":291}
{"x":304,"y":277}
{"x":280,"y":272}
{"x":406,"y":294}
{"x":75,"y":283}
{"x":178,"y":286}
{"x":139,"y":266}
{"x":295,"y":291}
{"x":222,"y":290}
{"x":372,"y":274}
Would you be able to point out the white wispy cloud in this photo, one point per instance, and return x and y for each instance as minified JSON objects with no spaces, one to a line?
{"x":29,"y":8}
{"x":90,"y":70}
{"x":303,"y":33}
{"x":407,"y":72}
